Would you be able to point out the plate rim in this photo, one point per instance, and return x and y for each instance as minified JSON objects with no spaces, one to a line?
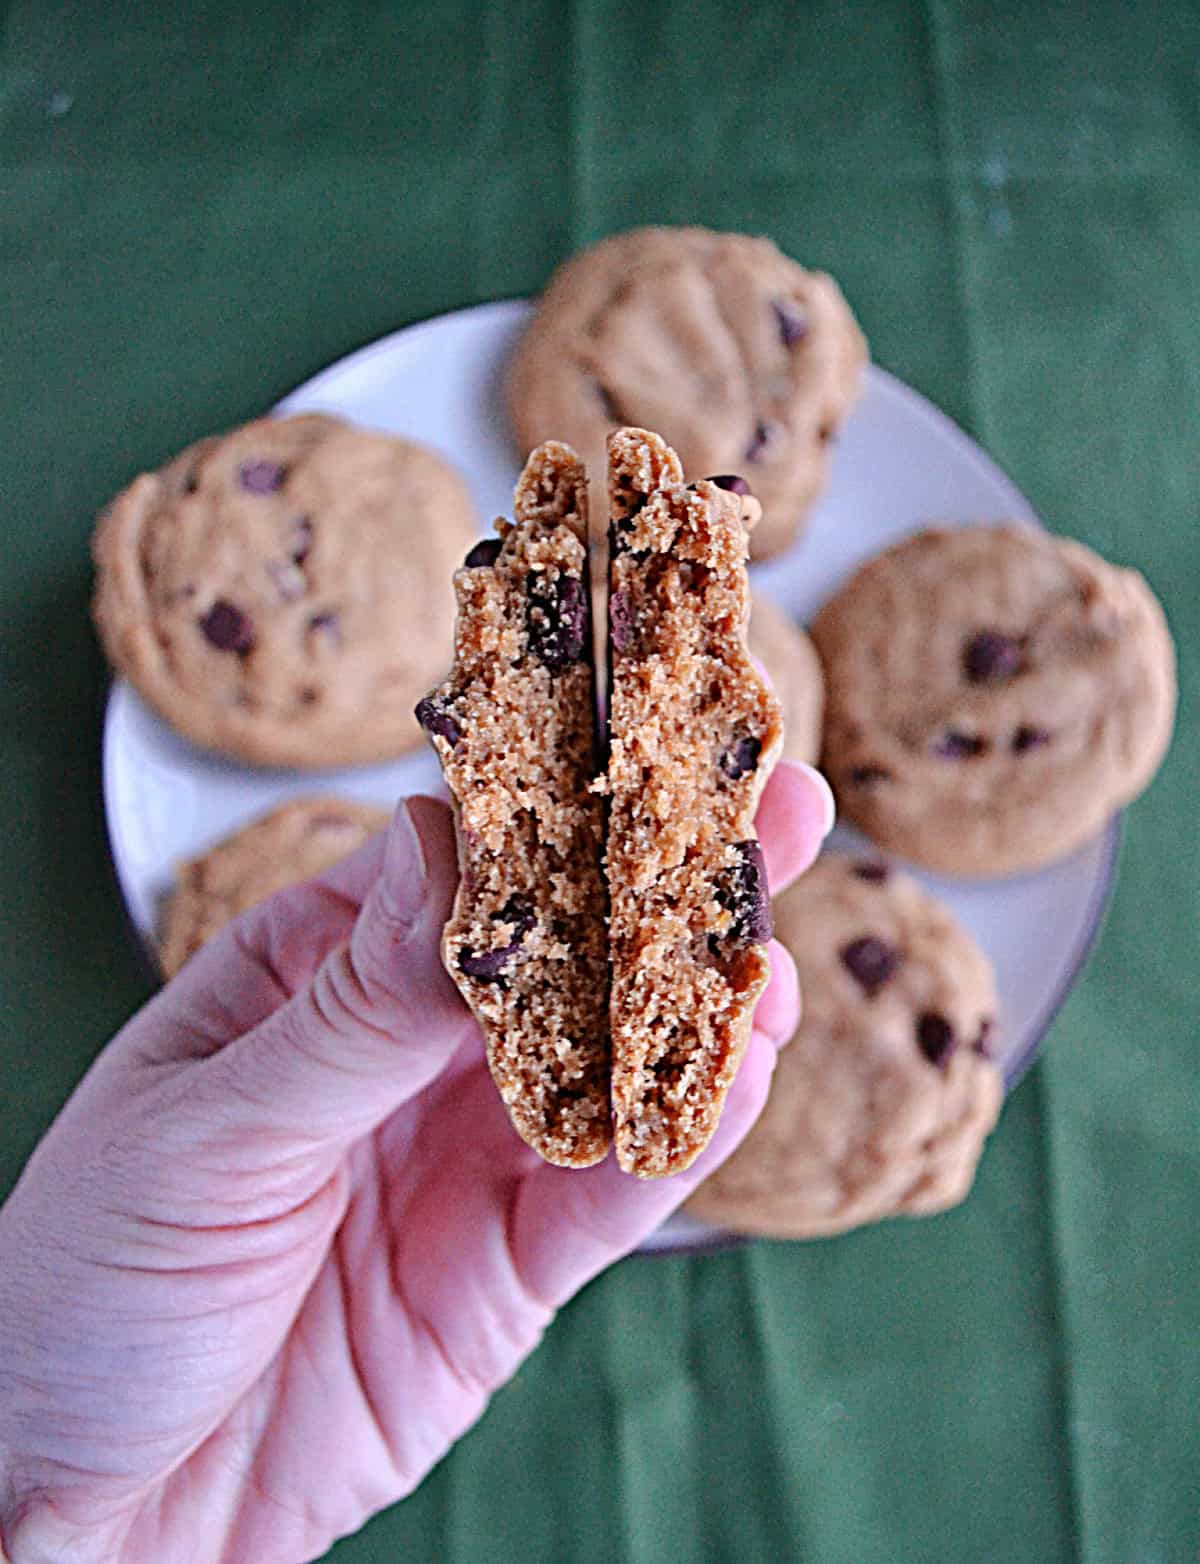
{"x":897,"y":391}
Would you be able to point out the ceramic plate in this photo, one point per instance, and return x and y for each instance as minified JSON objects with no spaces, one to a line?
{"x":899,"y":464}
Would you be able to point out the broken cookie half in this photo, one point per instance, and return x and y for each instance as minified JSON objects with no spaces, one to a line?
{"x":693,"y":734}
{"x":514,"y":729}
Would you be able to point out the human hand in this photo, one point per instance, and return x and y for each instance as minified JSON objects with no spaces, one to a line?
{"x":282,"y":1243}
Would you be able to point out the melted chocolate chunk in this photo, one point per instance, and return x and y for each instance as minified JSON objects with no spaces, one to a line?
{"x":741,"y":758}
{"x":871,"y":962}
{"x":488,"y":965}
{"x":869,"y":870}
{"x":744,"y":893}
{"x":261,"y":477}
{"x":622,"y":621}
{"x":556,"y":619}
{"x":227,"y":628}
{"x":792,"y":321}
{"x":958,"y":746}
{"x":730,"y":481}
{"x":989,"y":656}
{"x":327,"y":625}
{"x":485,"y":552}
{"x":1026,"y":738}
{"x":301,"y":539}
{"x":981,"y":1045}
{"x":437,"y":721}
{"x":935,"y":1038}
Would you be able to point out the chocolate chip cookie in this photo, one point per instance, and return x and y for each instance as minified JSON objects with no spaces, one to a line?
{"x":294,"y":842}
{"x":693,"y":734}
{"x":882,"y":1100}
{"x":993,"y":695}
{"x":794,"y":669}
{"x":281,"y":593}
{"x":514,"y":728}
{"x":743,"y":360}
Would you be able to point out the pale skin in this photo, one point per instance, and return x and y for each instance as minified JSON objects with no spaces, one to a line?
{"x":282,"y":1244}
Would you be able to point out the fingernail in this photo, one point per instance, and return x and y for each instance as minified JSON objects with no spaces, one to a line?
{"x":404,"y":868}
{"x":826,"y":793}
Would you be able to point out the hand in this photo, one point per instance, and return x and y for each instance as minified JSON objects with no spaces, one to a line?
{"x":282,"y":1243}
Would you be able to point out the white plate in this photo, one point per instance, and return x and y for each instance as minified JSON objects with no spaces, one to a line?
{"x":898,"y":464}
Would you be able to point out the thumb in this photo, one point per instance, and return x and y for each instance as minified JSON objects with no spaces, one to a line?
{"x":380,"y":1017}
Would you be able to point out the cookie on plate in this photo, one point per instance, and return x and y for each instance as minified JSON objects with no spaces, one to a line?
{"x":794,"y":669}
{"x":746,"y":362}
{"x":281,"y":592}
{"x":993,"y":695}
{"x":693,"y":734}
{"x":514,"y":729}
{"x":298,"y":840}
{"x":882,"y":1100}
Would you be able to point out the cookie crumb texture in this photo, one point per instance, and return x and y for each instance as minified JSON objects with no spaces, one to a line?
{"x":251,"y":591}
{"x":693,"y":734}
{"x":514,"y":730}
{"x":882,"y":1101}
{"x":300,"y":839}
{"x":743,"y":360}
{"x":993,"y":695}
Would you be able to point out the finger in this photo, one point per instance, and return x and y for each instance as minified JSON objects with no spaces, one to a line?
{"x":380,"y":1017}
{"x":569,"y":1225}
{"x":777,"y":1013}
{"x":795,"y":815}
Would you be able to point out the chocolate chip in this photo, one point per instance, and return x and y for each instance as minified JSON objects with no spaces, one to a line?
{"x":866,"y":776}
{"x":622,"y":621}
{"x":1026,"y":738}
{"x":485,"y":552}
{"x":981,"y":1043}
{"x":744,"y":893}
{"x":867,"y":869}
{"x":437,"y":721}
{"x":328,"y":625}
{"x":261,"y":477}
{"x":730,"y":481}
{"x":301,"y":540}
{"x":870,"y":962}
{"x":556,"y":619}
{"x":518,"y":911}
{"x":741,"y":758}
{"x":228,"y":628}
{"x":486,"y":966}
{"x":989,"y":656}
{"x":191,"y":483}
{"x":764,"y":434}
{"x":958,"y":746}
{"x":935,"y":1038}
{"x":793,"y":323}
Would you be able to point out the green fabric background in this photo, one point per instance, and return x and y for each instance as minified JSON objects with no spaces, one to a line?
{"x":200,"y":205}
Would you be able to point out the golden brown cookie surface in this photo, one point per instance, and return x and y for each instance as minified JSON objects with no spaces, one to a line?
{"x":882,"y":1100}
{"x":294,"y":842}
{"x":743,"y":360}
{"x":993,"y":694}
{"x":282,"y":592}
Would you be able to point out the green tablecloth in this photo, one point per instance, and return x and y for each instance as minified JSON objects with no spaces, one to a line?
{"x":199,"y":205}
